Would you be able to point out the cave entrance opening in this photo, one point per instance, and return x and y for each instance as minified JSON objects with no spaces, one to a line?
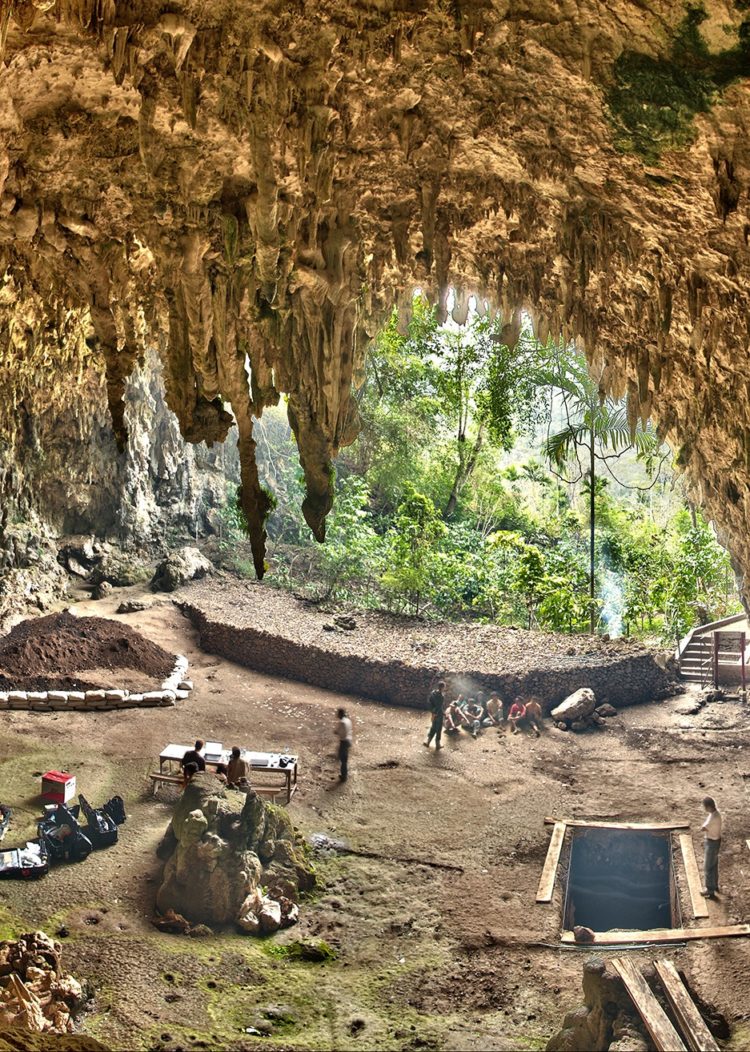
{"x":621,"y":879}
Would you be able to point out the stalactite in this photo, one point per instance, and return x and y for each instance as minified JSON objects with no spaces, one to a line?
{"x":199,"y":182}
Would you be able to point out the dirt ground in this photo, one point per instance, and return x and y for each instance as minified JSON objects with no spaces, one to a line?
{"x":425,"y":957}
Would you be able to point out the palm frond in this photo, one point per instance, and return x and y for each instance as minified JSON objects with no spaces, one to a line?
{"x":558,"y":447}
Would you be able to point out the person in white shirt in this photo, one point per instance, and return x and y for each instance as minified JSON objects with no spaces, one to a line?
{"x":344,"y":735}
{"x":711,"y":844}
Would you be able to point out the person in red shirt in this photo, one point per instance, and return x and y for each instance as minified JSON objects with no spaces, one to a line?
{"x":516,"y":715}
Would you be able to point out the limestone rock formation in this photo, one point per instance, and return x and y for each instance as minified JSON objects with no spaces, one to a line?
{"x":577,"y":706}
{"x":248,"y":188}
{"x":36,"y":995}
{"x":220,"y":848}
{"x":179,"y":567}
{"x":606,"y":1020}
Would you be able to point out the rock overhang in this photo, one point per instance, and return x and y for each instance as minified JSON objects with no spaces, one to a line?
{"x":251,"y":189}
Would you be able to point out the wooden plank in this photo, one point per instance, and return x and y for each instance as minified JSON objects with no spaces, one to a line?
{"x":658,"y":935}
{"x":663,"y":1034}
{"x":580,"y":823}
{"x":697,"y":1034}
{"x":547,"y":880}
{"x":700,"y":909}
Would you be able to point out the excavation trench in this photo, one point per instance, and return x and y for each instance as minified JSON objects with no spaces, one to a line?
{"x":621,"y":879}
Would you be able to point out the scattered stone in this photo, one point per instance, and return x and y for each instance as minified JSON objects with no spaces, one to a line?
{"x":345,"y":622}
{"x":606,"y":709}
{"x":134,"y":606}
{"x":200,"y":931}
{"x":316,"y":952}
{"x":179,"y":567}
{"x":561,"y":725}
{"x":579,"y":725}
{"x":583,"y":934}
{"x":185,"y":684}
{"x":171,"y":922}
{"x":328,"y":627}
{"x":102,"y":590}
{"x":121,"y":570}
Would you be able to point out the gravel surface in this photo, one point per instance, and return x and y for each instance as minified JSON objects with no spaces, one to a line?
{"x":406,"y":639}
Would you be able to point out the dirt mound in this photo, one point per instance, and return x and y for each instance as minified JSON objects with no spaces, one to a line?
{"x":57,"y":652}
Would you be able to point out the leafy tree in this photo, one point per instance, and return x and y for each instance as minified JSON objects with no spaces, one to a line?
{"x":437,"y":387}
{"x":596,"y":432}
{"x":698,"y":589}
{"x":415,"y":532}
{"x":350,"y":555}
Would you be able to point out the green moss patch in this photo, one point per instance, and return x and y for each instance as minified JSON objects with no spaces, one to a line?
{"x":653,"y":101}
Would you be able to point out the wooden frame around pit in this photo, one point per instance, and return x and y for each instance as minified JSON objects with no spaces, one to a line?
{"x":546,"y":887}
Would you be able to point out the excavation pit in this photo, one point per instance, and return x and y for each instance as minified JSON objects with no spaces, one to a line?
{"x":621,"y":879}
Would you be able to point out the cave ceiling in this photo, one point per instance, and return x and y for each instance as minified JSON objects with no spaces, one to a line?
{"x":250,"y":187}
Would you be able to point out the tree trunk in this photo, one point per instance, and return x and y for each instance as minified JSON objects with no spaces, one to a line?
{"x":592,"y":533}
{"x":464,"y":472}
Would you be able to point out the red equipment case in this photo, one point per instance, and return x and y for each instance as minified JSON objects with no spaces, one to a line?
{"x":58,"y":787}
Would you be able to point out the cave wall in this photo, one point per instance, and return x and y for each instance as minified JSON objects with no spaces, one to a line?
{"x":62,"y":474}
{"x":61,"y":465}
{"x":250,"y":187}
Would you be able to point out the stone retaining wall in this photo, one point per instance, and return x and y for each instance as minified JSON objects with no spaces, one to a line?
{"x":174,"y":688}
{"x":621,"y":680}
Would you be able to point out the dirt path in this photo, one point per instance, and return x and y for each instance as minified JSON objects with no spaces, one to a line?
{"x":425,"y":958}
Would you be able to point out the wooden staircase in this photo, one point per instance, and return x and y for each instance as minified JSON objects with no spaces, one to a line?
{"x":696,"y":660}
{"x":695,"y":652}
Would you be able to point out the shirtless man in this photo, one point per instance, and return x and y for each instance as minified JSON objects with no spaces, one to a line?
{"x":534,"y":716}
{"x":495,"y":709}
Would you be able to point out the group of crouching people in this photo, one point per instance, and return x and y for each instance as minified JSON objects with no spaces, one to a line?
{"x":475,"y":714}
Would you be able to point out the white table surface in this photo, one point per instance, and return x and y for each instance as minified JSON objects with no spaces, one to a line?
{"x":264,"y":760}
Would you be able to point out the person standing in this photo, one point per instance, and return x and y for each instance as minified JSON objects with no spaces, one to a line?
{"x":437,"y":708}
{"x":344,"y":735}
{"x":711,"y":844}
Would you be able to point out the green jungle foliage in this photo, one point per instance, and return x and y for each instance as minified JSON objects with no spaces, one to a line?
{"x":467,"y":496}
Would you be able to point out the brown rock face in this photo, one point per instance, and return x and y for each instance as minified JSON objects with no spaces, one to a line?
{"x":248,"y":188}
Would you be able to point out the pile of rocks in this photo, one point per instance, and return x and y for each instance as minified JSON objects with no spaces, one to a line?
{"x":35,"y":993}
{"x":230,"y":858}
{"x":607,"y":1020}
{"x":579,"y":711}
{"x":398,"y":660}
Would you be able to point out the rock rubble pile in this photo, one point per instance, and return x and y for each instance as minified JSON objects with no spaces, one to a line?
{"x":398,"y":660}
{"x":579,"y":712}
{"x":35,"y":993}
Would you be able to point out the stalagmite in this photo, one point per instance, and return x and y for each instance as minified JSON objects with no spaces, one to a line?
{"x":247,"y":191}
